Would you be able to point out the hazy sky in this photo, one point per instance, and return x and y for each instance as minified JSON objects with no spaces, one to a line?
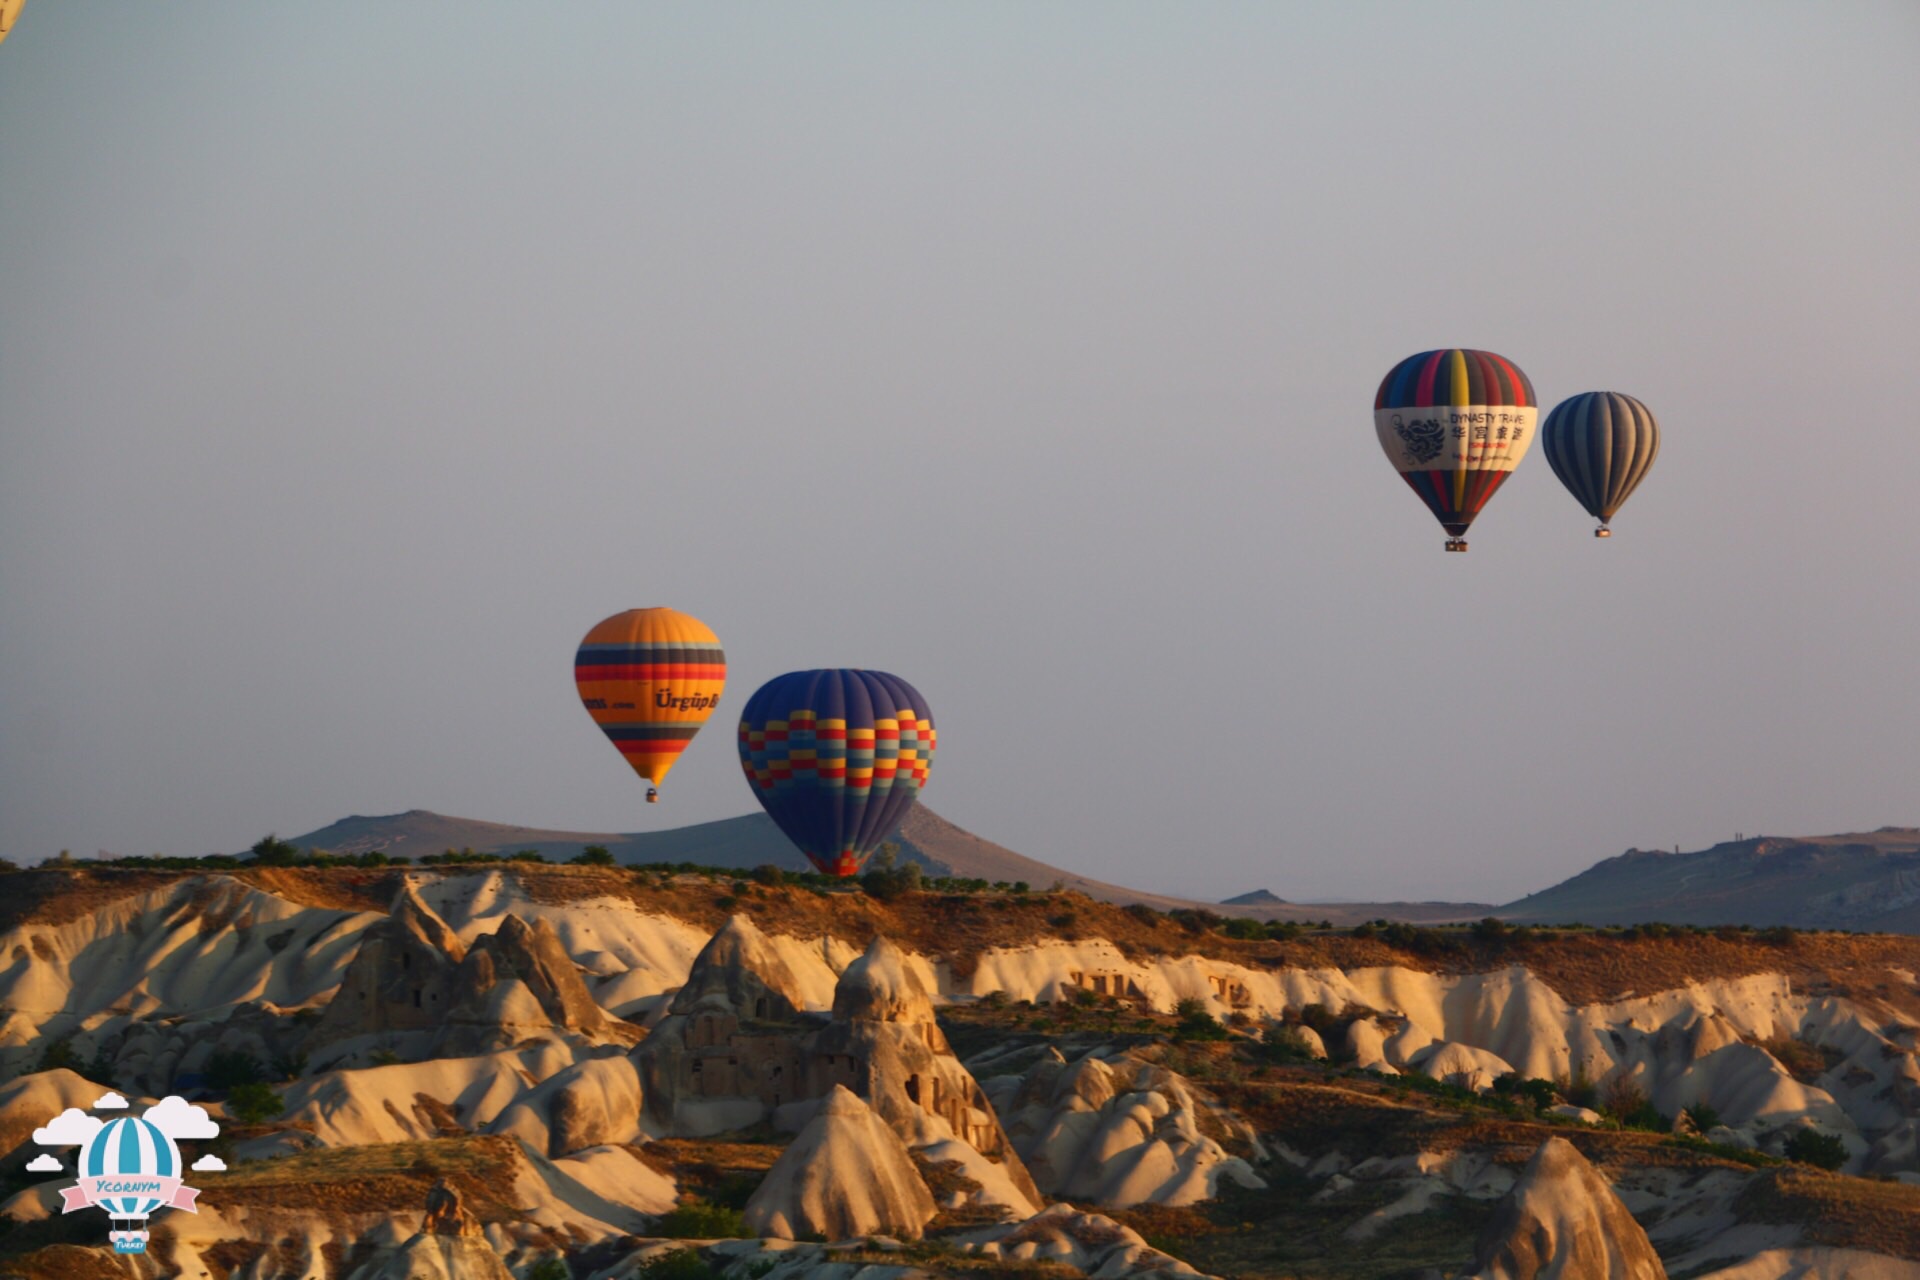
{"x":356,"y":358}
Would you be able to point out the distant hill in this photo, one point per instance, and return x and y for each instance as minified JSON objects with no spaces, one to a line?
{"x":752,"y":840}
{"x":1868,"y":881}
{"x":1258,"y":898}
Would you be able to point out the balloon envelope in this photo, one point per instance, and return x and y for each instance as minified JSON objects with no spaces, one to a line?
{"x":9,"y":10}
{"x":1601,"y":444}
{"x":837,"y":757}
{"x":1455,"y":423}
{"x":650,"y":678}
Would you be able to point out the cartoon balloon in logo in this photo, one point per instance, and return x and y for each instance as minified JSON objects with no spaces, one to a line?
{"x":130,"y":1168}
{"x":1601,"y":444}
{"x":1455,"y":423}
{"x":837,"y":757}
{"x":650,"y":678}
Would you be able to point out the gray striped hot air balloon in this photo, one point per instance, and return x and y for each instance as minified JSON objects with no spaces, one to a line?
{"x":1601,"y":444}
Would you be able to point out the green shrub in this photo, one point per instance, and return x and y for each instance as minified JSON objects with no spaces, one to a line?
{"x":1536,"y":1093}
{"x":886,"y":881}
{"x":681,"y":1264}
{"x":699,"y":1220}
{"x":231,"y":1068}
{"x":60,"y":1054}
{"x":1195,"y":1022}
{"x":1283,"y":1044}
{"x":1821,"y":1150}
{"x":594,"y":855}
{"x":549,"y":1269}
{"x":254,"y":1103}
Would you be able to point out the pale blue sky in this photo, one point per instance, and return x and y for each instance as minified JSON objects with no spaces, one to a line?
{"x":355,"y":358}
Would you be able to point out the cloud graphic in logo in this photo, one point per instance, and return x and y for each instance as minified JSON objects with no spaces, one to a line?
{"x":110,"y":1102}
{"x":210,"y":1164}
{"x":44,"y":1164}
{"x":71,"y":1128}
{"x":174,"y":1116}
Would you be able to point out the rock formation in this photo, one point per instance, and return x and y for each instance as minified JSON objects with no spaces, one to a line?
{"x":413,"y":977}
{"x":589,"y":1104}
{"x":847,"y":1174}
{"x":400,"y":980}
{"x":730,"y":1048}
{"x":33,"y":1100}
{"x":884,"y":1044}
{"x":1562,"y":1221}
{"x":1120,"y":1132}
{"x":736,"y":1044}
{"x":448,"y":1246}
{"x":1087,"y":1242}
{"x":516,"y":983}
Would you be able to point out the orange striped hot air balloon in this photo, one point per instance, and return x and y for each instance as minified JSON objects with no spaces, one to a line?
{"x":650,"y":678}
{"x":9,"y":10}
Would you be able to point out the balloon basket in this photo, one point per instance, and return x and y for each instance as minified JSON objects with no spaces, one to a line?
{"x":653,"y":797}
{"x":1603,"y":532}
{"x":1456,"y":544}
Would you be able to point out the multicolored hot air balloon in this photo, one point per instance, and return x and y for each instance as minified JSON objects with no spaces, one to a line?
{"x":1601,"y":444}
{"x":837,"y":757}
{"x":1455,"y":424}
{"x":650,"y":678}
{"x":9,"y":10}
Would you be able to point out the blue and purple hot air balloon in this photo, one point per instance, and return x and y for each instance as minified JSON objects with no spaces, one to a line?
{"x":837,"y":757}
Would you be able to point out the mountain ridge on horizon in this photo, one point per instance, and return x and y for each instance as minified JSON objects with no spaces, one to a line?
{"x":1866,"y":881}
{"x":942,"y":847}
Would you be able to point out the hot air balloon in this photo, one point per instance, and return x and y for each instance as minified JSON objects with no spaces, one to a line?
{"x":837,"y":757}
{"x":650,"y":678}
{"x":9,"y":11}
{"x":131,"y":1152}
{"x":1455,"y":424}
{"x":1601,"y":444}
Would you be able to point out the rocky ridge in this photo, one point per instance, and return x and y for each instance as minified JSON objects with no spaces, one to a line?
{"x":569,"y":1107}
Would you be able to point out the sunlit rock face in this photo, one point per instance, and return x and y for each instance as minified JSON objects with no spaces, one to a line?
{"x":846,"y":1175}
{"x":414,"y":982}
{"x":449,"y":1246}
{"x":1562,"y":1221}
{"x":1120,"y":1132}
{"x":400,"y":980}
{"x":730,"y":1049}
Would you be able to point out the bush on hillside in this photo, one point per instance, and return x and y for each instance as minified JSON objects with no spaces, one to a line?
{"x":271,"y":851}
{"x":1195,"y":1023}
{"x":1821,"y":1150}
{"x":254,"y":1103}
{"x":1626,"y":1103}
{"x":1283,"y":1045}
{"x":60,"y":1054}
{"x":700,"y":1220}
{"x":681,"y":1264}
{"x":1536,"y":1093}
{"x":230,"y":1068}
